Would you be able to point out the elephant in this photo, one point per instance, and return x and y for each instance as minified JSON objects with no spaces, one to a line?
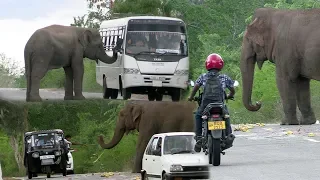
{"x":290,"y":39}
{"x":150,"y":118}
{"x":57,"y":46}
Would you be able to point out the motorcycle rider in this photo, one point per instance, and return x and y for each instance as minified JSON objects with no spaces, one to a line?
{"x":214,"y":63}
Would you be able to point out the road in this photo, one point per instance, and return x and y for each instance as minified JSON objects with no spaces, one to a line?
{"x":264,"y":153}
{"x":17,"y":94}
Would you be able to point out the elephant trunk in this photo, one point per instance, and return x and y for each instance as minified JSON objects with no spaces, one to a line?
{"x":102,"y":56}
{"x":247,"y":66}
{"x":117,"y":136}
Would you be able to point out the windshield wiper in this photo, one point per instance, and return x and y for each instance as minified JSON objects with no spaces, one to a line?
{"x":183,"y":151}
{"x":161,"y":54}
{"x":143,"y":52}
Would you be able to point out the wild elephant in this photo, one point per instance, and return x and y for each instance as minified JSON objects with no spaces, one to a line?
{"x":291,"y":40}
{"x":149,"y":118}
{"x":57,"y":46}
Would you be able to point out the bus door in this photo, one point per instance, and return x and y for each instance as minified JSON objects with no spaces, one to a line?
{"x":110,"y":36}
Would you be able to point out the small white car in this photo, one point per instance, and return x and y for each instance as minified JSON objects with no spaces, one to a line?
{"x":70,"y":165}
{"x":172,"y":156}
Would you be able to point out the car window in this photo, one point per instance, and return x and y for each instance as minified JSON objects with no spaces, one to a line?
{"x":152,"y":146}
{"x":157,"y":149}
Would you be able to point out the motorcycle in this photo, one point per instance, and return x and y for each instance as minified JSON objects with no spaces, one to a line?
{"x":214,"y":139}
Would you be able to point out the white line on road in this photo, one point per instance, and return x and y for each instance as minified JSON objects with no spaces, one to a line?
{"x":312,"y":140}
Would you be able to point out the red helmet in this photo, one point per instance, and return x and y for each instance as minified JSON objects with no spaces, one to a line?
{"x":214,"y":61}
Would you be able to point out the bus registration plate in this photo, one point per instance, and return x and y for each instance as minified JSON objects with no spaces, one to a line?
{"x":157,"y":83}
{"x":215,"y":125}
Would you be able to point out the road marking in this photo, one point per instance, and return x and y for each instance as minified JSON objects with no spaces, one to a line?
{"x":312,"y":140}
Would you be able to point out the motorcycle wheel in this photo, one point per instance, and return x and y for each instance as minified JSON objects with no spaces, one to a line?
{"x":216,"y":154}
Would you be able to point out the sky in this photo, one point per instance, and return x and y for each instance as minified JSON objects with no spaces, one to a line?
{"x":20,"y":18}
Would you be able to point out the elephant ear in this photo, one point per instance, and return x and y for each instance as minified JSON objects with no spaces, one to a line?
{"x":255,"y":31}
{"x":136,"y":113}
{"x":85,"y":38}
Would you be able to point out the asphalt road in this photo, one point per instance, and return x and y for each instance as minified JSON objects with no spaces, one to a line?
{"x":264,"y":153}
{"x":16,"y":94}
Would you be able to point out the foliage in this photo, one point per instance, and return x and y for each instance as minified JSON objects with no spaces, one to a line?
{"x":9,"y":70}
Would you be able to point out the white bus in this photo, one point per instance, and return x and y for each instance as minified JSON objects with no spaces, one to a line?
{"x":153,"y":60}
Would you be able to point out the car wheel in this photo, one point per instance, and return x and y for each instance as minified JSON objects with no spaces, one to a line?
{"x":165,"y":177}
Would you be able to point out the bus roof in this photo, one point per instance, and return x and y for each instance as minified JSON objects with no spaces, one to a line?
{"x":124,"y":21}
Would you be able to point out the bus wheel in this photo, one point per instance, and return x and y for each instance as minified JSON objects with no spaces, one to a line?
{"x":159,"y":97}
{"x":151,"y":96}
{"x":114,"y":93}
{"x":126,"y":93}
{"x":175,"y":94}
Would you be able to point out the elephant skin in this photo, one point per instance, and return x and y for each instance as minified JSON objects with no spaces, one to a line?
{"x":291,"y":40}
{"x":57,"y":46}
{"x":150,"y":118}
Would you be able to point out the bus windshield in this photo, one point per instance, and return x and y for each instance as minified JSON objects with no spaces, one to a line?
{"x":167,"y":39}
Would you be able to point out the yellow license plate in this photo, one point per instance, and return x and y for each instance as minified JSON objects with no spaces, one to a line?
{"x":214,"y":125}
{"x":178,"y":178}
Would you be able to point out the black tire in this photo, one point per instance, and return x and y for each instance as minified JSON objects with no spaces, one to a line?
{"x":216,"y":153}
{"x":29,"y":175}
{"x":175,"y":94}
{"x":106,"y":91}
{"x":70,"y":172}
{"x":159,"y":97}
{"x":64,"y":172}
{"x":126,"y":93}
{"x":114,"y":93}
{"x":48,"y":171}
{"x":151,"y":97}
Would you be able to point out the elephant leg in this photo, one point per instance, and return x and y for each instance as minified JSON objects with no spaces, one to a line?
{"x":287,"y":91}
{"x":140,"y":148}
{"x":78,"y":70}
{"x":68,"y":87}
{"x":303,"y":100}
{"x":37,"y":73}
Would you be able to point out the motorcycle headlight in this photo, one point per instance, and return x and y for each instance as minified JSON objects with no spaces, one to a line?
{"x":35,"y":155}
{"x":176,"y":167}
{"x":57,"y":153}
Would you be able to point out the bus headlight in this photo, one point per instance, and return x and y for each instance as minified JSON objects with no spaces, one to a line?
{"x":176,"y":168}
{"x":131,"y":71}
{"x":181,"y":72}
